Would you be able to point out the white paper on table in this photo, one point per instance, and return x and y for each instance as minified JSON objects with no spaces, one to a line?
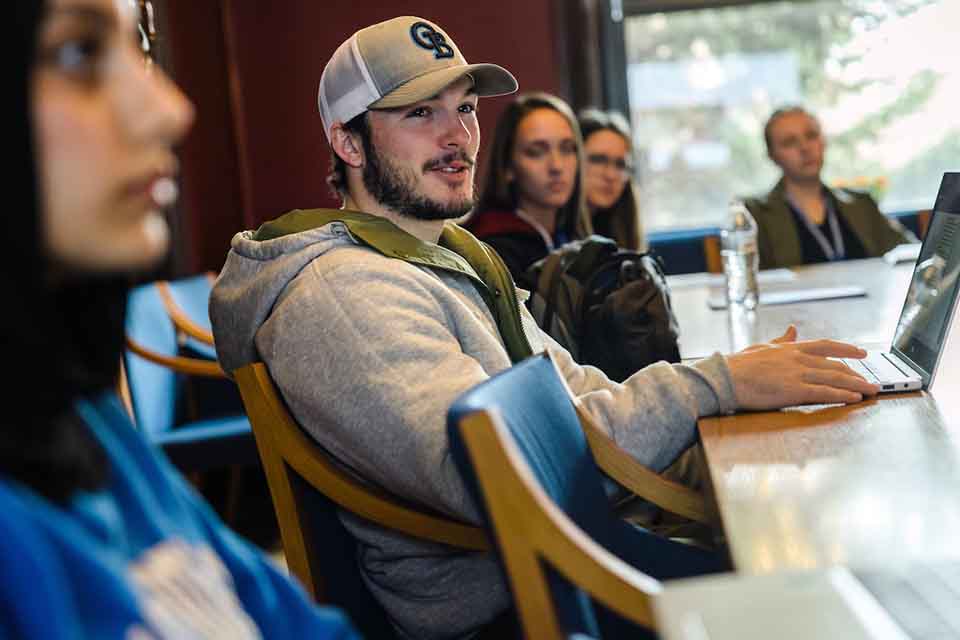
{"x":689,"y":280}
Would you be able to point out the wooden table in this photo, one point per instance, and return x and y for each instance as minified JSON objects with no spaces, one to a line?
{"x":876,"y":483}
{"x":870,"y":319}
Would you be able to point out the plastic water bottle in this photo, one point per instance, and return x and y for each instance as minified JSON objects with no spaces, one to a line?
{"x":738,"y":251}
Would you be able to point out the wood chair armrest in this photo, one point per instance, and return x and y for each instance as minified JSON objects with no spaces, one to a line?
{"x":647,"y":484}
{"x":190,"y":366}
{"x":279,"y":437}
{"x":181,"y":320}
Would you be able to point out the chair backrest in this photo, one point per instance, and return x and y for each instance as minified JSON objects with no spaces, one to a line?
{"x":153,"y":360}
{"x":186,"y":301}
{"x":519,"y":444}
{"x":307,"y":485}
{"x":711,"y":254}
{"x":923,"y":223}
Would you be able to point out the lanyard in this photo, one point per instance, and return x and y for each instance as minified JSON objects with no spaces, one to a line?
{"x":836,"y":251}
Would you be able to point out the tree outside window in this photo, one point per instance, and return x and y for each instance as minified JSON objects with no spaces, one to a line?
{"x":880,"y":74}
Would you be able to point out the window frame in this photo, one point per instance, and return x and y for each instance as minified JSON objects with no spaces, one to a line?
{"x":610,"y":18}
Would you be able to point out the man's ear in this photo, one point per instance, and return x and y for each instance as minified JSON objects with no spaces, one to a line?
{"x":346,"y":145}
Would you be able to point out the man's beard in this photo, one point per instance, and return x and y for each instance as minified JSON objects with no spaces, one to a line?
{"x":395,"y":187}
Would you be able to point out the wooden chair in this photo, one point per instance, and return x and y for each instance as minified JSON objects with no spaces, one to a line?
{"x":649,"y":485}
{"x":524,"y":456}
{"x":923,"y":223}
{"x":711,"y":254}
{"x":307,"y":486}
{"x":185,"y":305}
{"x":183,"y":403}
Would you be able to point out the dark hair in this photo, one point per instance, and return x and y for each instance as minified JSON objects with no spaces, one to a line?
{"x":624,"y":215}
{"x":63,"y":334}
{"x":500,"y":194}
{"x":337,"y":178}
{"x":782,"y":111}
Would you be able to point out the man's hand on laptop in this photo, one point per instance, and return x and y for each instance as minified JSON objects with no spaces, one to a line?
{"x":784,"y":373}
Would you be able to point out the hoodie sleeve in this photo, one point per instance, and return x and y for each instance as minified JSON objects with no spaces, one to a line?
{"x":369,"y":364}
{"x":369,"y":360}
{"x":653,"y":413}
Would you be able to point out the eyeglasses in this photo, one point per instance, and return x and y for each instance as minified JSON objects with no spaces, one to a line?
{"x":603,"y":161}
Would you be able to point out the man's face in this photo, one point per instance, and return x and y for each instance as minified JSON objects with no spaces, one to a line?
{"x":420,"y":160}
{"x":797,"y":145}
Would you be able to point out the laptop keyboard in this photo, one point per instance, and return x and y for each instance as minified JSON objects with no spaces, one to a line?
{"x":924,"y":599}
{"x":875,"y":368}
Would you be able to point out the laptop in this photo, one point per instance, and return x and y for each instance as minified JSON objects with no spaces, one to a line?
{"x":912,"y":600}
{"x":929,"y":308}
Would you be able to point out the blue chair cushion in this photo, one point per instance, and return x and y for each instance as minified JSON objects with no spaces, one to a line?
{"x":681,"y":251}
{"x":208,"y":444}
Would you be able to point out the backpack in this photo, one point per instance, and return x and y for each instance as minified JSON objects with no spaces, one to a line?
{"x":608,"y":307}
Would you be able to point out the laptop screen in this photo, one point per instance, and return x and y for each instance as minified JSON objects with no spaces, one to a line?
{"x":932,"y":296}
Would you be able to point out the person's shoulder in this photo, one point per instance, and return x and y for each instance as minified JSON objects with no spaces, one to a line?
{"x":33,"y":580}
{"x":496,"y":222}
{"x":22,"y":518}
{"x":13,"y":507}
{"x":847,"y":195}
{"x":105,"y":414}
{"x":354,"y":267}
{"x":764,"y":200}
{"x":346,"y":259}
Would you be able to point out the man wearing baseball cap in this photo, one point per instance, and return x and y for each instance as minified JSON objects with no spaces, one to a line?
{"x":373,"y":318}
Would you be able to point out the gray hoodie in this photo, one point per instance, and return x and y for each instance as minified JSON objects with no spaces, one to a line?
{"x":370,"y":351}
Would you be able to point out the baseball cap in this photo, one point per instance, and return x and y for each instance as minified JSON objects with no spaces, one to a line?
{"x":396,"y":63}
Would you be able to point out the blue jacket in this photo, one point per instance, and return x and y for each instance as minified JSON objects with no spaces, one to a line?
{"x":144,"y":554}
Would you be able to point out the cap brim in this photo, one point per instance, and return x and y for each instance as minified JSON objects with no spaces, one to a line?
{"x":488,"y":80}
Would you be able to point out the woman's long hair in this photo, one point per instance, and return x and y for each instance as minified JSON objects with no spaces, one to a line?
{"x":62,"y":332}
{"x":624,"y":216}
{"x":500,"y":193}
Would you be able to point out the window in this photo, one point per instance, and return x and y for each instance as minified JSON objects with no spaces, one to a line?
{"x":882,"y":75}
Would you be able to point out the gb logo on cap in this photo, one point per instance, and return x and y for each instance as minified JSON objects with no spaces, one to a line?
{"x":429,"y":38}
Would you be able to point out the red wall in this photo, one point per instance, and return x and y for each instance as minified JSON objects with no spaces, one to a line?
{"x":252,"y":67}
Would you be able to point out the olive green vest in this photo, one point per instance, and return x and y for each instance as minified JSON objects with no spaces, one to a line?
{"x":458,"y":250}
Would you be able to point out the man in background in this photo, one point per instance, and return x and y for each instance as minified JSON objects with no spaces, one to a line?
{"x":801,"y":220}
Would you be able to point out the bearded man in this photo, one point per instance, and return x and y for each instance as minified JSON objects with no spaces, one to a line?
{"x":373,"y":318}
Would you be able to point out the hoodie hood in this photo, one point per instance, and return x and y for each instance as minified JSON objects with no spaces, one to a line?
{"x":254,"y":276}
{"x":261,"y":264}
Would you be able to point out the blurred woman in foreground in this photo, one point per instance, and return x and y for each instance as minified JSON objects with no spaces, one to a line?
{"x":99,"y":536}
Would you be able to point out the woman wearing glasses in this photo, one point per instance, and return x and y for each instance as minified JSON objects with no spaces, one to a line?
{"x":533,"y":200}
{"x":611,"y":194}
